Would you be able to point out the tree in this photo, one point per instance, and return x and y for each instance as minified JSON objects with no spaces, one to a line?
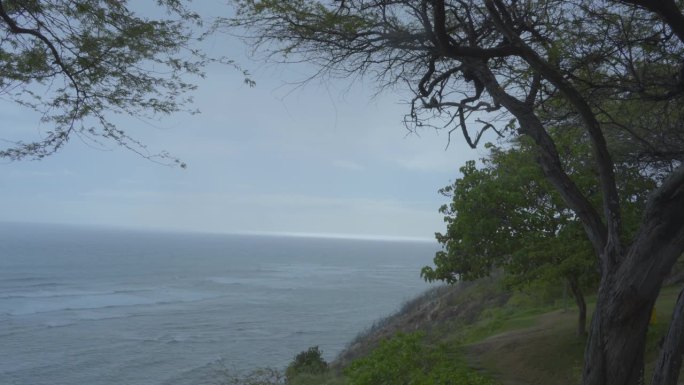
{"x":506,"y":215}
{"x":78,"y":62}
{"x":473,"y":63}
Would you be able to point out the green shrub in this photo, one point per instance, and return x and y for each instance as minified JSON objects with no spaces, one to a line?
{"x":327,"y":378}
{"x":406,"y":360}
{"x":309,"y":361}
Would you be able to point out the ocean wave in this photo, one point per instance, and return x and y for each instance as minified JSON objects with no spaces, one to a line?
{"x":59,"y":323}
{"x":238,"y":281}
{"x":101,"y":301}
{"x":66,"y":293}
{"x":6,"y":286}
{"x":22,"y":279}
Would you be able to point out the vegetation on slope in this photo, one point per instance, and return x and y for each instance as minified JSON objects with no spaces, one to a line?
{"x":471,"y":333}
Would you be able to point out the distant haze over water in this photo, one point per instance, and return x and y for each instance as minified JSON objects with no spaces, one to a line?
{"x":83,"y":306}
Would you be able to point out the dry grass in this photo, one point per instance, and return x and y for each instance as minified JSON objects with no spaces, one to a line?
{"x":437,"y":312}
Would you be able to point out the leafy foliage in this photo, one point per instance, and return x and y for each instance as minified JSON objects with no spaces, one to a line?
{"x":77,"y":63}
{"x":507,"y":215}
{"x":309,"y":361}
{"x":406,"y":360}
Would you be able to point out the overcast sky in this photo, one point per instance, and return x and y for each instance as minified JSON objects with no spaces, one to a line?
{"x":327,"y":158}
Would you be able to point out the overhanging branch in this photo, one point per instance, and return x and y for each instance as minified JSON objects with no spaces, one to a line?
{"x":611,"y":201}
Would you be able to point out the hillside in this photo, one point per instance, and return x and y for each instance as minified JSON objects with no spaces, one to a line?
{"x":511,"y":338}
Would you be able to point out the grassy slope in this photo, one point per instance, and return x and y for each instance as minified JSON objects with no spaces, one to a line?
{"x":513,"y":338}
{"x":548,"y":352}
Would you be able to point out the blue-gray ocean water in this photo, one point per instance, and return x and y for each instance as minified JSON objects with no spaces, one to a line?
{"x":102,"y":307}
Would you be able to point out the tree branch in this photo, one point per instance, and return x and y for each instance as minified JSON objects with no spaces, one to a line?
{"x":549,"y":158}
{"x":14,"y":28}
{"x":667,"y":10}
{"x":659,"y":240}
{"x":666,"y":371}
{"x":611,"y":201}
{"x":447,"y":49}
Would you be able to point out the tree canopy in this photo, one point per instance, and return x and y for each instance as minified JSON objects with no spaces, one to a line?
{"x":612,"y":68}
{"x":505,"y":215}
{"x":78,"y":63}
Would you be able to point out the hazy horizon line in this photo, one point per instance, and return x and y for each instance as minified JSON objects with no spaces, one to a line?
{"x":369,"y":237}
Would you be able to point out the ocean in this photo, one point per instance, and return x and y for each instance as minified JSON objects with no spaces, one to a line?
{"x":95,"y":306}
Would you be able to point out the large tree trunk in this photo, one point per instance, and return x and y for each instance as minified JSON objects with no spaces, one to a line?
{"x":614,"y":354}
{"x":581,"y":306}
{"x":630,"y":284}
{"x":670,"y":362}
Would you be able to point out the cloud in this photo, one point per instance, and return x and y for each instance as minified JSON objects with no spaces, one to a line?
{"x":432,"y":162}
{"x":117,"y":194}
{"x":348,"y":165}
{"x":40,"y":173}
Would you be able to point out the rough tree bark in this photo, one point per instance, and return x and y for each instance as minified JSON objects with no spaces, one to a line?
{"x":614,"y":351}
{"x":669,"y":364}
{"x":631,"y":280}
{"x":581,"y":305}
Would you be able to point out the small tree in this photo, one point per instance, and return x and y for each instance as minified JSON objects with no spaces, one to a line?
{"x":309,"y":361}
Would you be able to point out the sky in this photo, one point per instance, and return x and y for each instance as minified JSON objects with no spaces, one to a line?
{"x":328,"y":158}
